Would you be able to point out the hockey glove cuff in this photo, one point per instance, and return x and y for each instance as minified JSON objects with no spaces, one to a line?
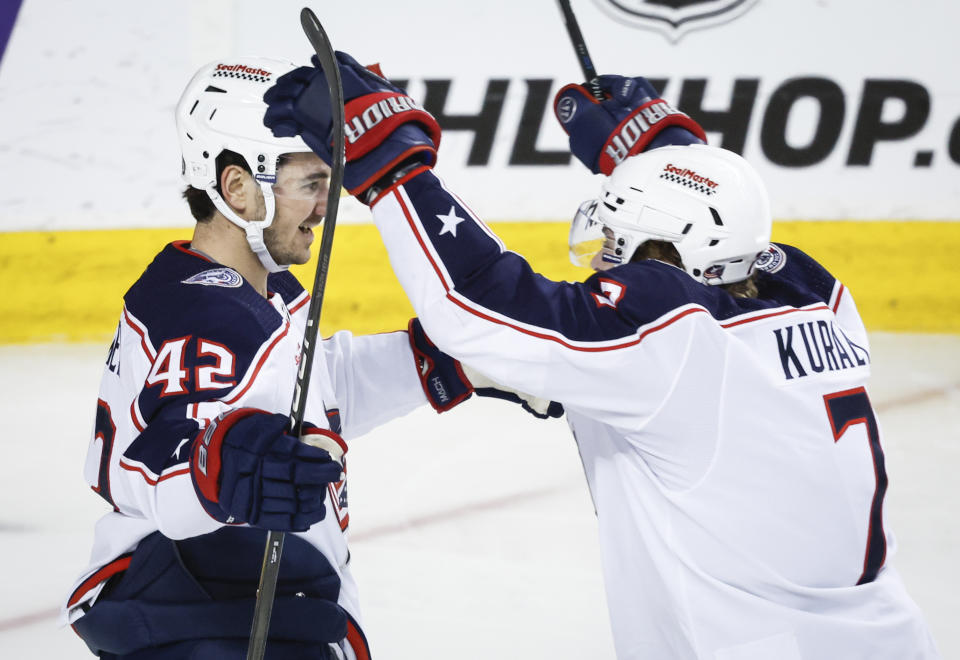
{"x":384,"y":126}
{"x":247,"y":468}
{"x":441,"y":376}
{"x":631,"y":119}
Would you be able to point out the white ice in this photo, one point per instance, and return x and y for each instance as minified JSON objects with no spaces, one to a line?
{"x":472,"y":533}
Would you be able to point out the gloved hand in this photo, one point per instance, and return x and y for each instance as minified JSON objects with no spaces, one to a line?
{"x":247,"y":468}
{"x":631,"y":119}
{"x":447,"y":382}
{"x":385,"y":128}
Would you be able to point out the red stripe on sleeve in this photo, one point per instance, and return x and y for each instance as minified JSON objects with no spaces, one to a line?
{"x":293,"y":310}
{"x":357,"y":640}
{"x":150,"y":480}
{"x":836,"y":303}
{"x":102,"y":575}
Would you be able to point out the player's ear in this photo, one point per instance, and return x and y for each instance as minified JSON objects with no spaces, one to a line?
{"x":237,"y":188}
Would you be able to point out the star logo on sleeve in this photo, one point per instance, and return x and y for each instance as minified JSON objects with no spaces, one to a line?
{"x":450,"y":222}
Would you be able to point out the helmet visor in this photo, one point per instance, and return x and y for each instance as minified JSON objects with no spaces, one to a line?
{"x":586,"y":235}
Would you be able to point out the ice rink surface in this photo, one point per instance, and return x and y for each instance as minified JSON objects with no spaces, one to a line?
{"x":472,"y":533}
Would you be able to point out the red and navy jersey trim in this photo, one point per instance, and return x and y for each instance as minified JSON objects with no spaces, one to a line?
{"x":103,"y":574}
{"x":356,"y":639}
{"x":484,"y":279}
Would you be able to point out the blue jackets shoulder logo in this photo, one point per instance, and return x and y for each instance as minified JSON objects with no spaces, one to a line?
{"x":771,"y":260}
{"x":216,"y":277}
{"x":674,"y":18}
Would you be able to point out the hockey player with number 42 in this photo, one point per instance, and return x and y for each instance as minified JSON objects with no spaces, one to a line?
{"x":714,"y":382}
{"x":191,"y":447}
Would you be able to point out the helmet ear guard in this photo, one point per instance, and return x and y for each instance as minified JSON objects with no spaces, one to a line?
{"x":221,"y":109}
{"x":708,"y":202}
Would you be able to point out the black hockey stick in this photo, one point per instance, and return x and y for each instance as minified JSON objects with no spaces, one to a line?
{"x":274,"y":549}
{"x":580,"y":47}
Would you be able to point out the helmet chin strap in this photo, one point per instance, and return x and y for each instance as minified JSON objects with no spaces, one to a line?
{"x":253,"y":230}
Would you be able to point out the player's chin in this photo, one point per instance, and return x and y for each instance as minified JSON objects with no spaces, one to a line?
{"x":290,"y":257}
{"x":298,"y":257}
{"x":300,"y":248}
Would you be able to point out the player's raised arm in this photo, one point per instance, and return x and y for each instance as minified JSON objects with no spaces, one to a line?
{"x":469,"y":292}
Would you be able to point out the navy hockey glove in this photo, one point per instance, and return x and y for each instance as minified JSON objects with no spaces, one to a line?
{"x":447,"y":382}
{"x":442,"y":379}
{"x":385,"y":128}
{"x":246,"y":467}
{"x":631,"y":119}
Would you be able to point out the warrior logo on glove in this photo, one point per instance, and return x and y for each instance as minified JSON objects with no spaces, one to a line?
{"x":384,"y":128}
{"x":630,"y":119}
{"x":621,"y":144}
{"x":378,"y":108}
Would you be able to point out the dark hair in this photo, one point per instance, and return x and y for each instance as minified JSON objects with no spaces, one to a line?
{"x":201,"y":208}
{"x":664,"y":251}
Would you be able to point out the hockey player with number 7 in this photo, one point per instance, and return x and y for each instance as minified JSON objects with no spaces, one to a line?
{"x":714,"y":382}
{"x":192,"y":448}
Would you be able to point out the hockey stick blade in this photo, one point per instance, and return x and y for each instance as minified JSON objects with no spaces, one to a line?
{"x":580,"y":48}
{"x":270,"y":569}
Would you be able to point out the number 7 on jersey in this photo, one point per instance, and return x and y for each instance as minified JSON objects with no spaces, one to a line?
{"x":845,"y":409}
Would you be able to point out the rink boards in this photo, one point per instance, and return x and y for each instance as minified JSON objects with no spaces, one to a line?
{"x":68,"y":285}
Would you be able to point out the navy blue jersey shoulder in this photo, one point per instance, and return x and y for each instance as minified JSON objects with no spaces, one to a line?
{"x":797,"y":280}
{"x":503,"y":282}
{"x":286,"y":285}
{"x":182,"y":293}
{"x":608,"y":305}
{"x":207,"y":326}
{"x":651,"y":289}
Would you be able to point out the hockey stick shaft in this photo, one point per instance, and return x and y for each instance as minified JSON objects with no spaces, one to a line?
{"x":580,"y":48}
{"x":270,"y":569}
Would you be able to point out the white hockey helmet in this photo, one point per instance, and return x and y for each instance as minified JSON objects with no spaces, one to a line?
{"x":708,"y":202}
{"x":221,"y":109}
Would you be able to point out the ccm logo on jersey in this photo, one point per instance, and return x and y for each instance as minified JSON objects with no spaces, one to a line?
{"x":216,"y":277}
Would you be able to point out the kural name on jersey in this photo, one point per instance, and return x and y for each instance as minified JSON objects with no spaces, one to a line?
{"x":825,"y":348}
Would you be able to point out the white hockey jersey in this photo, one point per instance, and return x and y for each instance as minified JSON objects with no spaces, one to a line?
{"x":195,"y":340}
{"x":731,"y":451}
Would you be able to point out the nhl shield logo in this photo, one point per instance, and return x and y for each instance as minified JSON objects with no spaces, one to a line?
{"x":675,"y":18}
